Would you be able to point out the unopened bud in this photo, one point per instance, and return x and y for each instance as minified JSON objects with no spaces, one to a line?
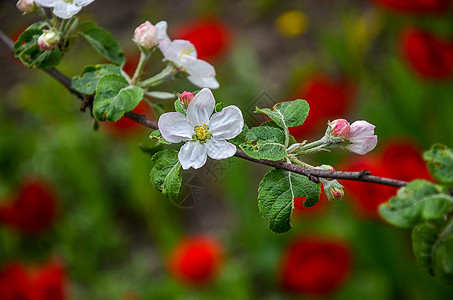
{"x":26,"y":6}
{"x":333,"y":189}
{"x":145,"y":36}
{"x":185,"y":98}
{"x":340,"y":128}
{"x":48,"y":40}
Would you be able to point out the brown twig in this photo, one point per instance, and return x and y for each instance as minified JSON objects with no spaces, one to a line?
{"x":313,"y":174}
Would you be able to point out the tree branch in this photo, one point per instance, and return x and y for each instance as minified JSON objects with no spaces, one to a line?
{"x":313,"y":174}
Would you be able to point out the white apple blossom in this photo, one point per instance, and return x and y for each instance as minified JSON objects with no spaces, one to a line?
{"x":204,"y":135}
{"x":64,"y":9}
{"x":359,"y":136}
{"x":184,"y":55}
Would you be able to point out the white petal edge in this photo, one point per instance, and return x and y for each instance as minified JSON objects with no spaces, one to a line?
{"x":65,"y":10}
{"x":183,"y":45}
{"x":174,"y":127}
{"x":227,"y":123}
{"x":192,"y":155}
{"x":362,"y":145}
{"x":220,"y":149}
{"x":201,"y":107}
{"x":46,"y":3}
{"x":201,"y":73}
{"x":83,"y":2}
{"x":361,"y":129}
{"x":162,"y":31}
{"x":204,"y":82}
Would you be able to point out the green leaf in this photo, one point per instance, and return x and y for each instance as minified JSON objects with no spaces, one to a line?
{"x":114,"y":97}
{"x":157,"y":136}
{"x":440,"y":162}
{"x":276,"y":197}
{"x":419,"y":201}
{"x":219,"y":106}
{"x":179,"y":107}
{"x":433,"y":248}
{"x":287,"y":114}
{"x":165,"y":173}
{"x":102,"y":41}
{"x":88,"y":81}
{"x":26,"y":48}
{"x":265,"y":143}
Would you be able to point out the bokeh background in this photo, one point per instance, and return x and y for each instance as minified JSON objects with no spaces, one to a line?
{"x":80,"y":220}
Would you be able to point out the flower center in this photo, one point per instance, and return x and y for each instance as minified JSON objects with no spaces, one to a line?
{"x":186,"y":51}
{"x":202,"y":133}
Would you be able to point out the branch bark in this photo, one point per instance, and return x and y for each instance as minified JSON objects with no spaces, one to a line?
{"x":313,"y":174}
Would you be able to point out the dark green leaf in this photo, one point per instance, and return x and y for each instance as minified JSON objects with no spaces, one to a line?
{"x":287,"y":114}
{"x":114,"y":97}
{"x":265,"y":143}
{"x":28,"y":37}
{"x":219,"y":106}
{"x":157,"y":136}
{"x":419,"y":201}
{"x":433,"y":248}
{"x":440,"y":162}
{"x":276,"y":197}
{"x":165,"y":173}
{"x":102,"y":41}
{"x":88,"y":81}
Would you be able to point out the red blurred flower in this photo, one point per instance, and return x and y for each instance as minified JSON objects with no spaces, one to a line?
{"x":428,"y":55}
{"x":301,"y":211}
{"x":131,"y":63}
{"x":210,"y":36}
{"x":125,"y":126}
{"x":315,"y":266}
{"x":196,"y":260}
{"x":33,"y":210}
{"x":416,"y":6}
{"x":328,"y":99}
{"x":399,"y":159}
{"x":47,"y":282}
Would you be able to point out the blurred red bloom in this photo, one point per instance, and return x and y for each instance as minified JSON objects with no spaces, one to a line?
{"x":328,"y":99}
{"x":399,"y":159}
{"x":301,"y":211}
{"x":33,"y":210}
{"x":210,"y":36}
{"x":196,"y":260}
{"x":428,"y":55}
{"x":131,"y":63}
{"x":315,"y":266}
{"x":47,"y":282}
{"x":416,"y":6}
{"x":125,"y":126}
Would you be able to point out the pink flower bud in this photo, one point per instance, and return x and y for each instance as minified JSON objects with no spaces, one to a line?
{"x":186,"y":97}
{"x":48,"y":40}
{"x":145,"y":36}
{"x":333,"y":189}
{"x":340,"y":128}
{"x":26,"y":6}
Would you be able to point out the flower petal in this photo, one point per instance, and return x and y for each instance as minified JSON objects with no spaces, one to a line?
{"x":65,"y":10}
{"x":175,"y":128}
{"x":201,"y":73}
{"x":362,"y":145}
{"x":361,"y":129}
{"x":162,"y":31}
{"x":227,"y":124}
{"x":82,"y":2}
{"x":46,"y":3}
{"x":192,"y":154}
{"x":184,"y":47}
{"x":201,"y":107}
{"x":220,"y":149}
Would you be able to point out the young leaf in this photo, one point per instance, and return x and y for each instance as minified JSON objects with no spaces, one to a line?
{"x":165,"y":173}
{"x":26,"y":48}
{"x":265,"y":143}
{"x":219,"y":106}
{"x":419,"y":201}
{"x":287,"y":114}
{"x":178,"y":107}
{"x":114,"y":97}
{"x":276,"y":197}
{"x":157,"y":136}
{"x":440,"y":162}
{"x":102,"y":41}
{"x":88,"y":81}
{"x":433,"y":248}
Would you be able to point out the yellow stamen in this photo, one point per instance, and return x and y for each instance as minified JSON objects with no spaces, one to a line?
{"x":186,"y":51}
{"x":202,"y":133}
